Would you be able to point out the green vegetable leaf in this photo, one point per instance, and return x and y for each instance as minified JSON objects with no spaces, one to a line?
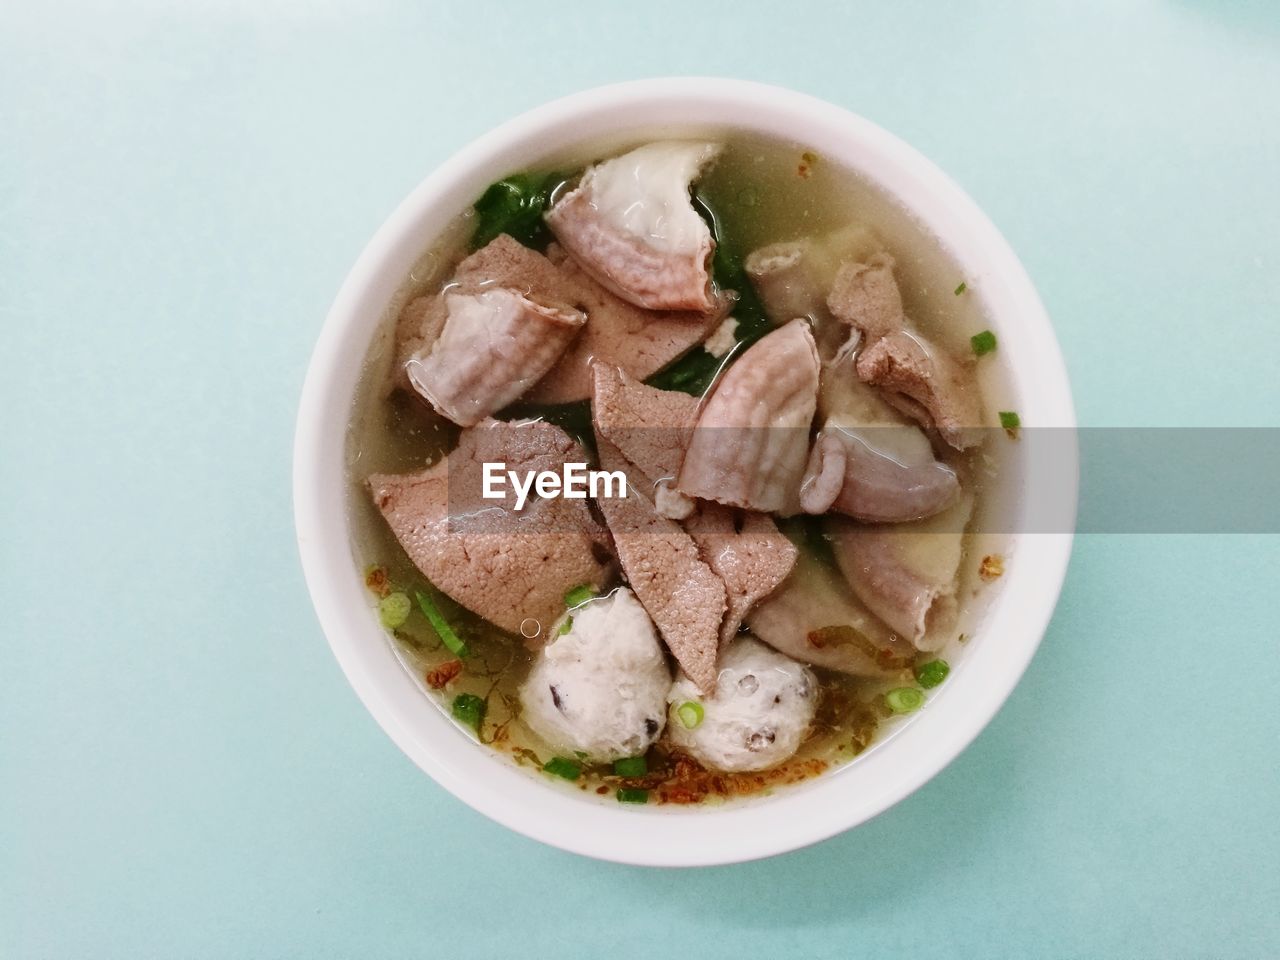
{"x":515,"y":205}
{"x":469,"y":709}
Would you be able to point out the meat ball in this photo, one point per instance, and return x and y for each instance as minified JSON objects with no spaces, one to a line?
{"x":763,"y":705}
{"x":600,"y":688}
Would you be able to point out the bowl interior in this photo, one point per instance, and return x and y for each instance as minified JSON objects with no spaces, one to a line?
{"x":1013,"y":616}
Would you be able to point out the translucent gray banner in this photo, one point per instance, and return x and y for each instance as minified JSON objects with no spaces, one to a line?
{"x":1138,"y":480}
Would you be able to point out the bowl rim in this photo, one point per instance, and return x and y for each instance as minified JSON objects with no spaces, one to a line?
{"x":799,"y":815}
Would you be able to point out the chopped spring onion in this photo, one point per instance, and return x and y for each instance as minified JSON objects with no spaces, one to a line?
{"x":983,"y":342}
{"x":469,"y":709}
{"x":962,"y":288}
{"x":904,"y":699}
{"x":631,"y":767}
{"x":563,"y":767}
{"x":566,"y":626}
{"x":441,"y":626}
{"x":930,"y":674}
{"x":633,"y":796}
{"x":393,"y":610}
{"x":578,"y":596}
{"x":1010,"y":420}
{"x":690,"y":713}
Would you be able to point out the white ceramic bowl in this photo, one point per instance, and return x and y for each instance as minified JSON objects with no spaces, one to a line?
{"x":793,"y":817}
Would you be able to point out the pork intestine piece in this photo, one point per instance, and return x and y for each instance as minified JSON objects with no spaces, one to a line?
{"x":641,"y":342}
{"x":882,"y":477}
{"x":631,"y":224}
{"x":906,"y":573}
{"x":868,"y":461}
{"x":494,"y":346}
{"x":793,"y":278}
{"x":915,"y":375}
{"x":751,"y":441}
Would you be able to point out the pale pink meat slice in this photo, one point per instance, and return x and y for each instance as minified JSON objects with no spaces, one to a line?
{"x":906,"y":573}
{"x":494,"y":345}
{"x":639,"y":341}
{"x":630,"y":223}
{"x":916,"y":376}
{"x":926,"y":383}
{"x":866,"y":296}
{"x":752,"y":437}
{"x":813,"y":617}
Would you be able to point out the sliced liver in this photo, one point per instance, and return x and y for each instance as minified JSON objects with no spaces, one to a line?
{"x":505,"y":566}
{"x":650,"y":427}
{"x":746,"y":551}
{"x":682,"y":594}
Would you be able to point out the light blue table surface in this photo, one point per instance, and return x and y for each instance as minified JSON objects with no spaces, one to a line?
{"x":184,"y":771}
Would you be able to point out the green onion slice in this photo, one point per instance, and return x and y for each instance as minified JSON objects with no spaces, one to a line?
{"x":441,"y":626}
{"x":393,"y":610}
{"x":983,"y":342}
{"x":631,"y":767}
{"x":690,"y":713}
{"x":962,"y":288}
{"x":563,"y":767}
{"x":930,"y":674}
{"x":633,"y":796}
{"x":1010,"y":420}
{"x":578,"y":596}
{"x":904,"y":699}
{"x":566,"y":626}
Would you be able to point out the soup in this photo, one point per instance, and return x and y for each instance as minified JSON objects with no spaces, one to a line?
{"x":769,"y":381}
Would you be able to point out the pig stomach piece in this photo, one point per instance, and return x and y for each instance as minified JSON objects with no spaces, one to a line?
{"x":631,"y":224}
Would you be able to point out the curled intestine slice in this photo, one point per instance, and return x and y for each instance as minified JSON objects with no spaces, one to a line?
{"x":752,"y":437}
{"x":631,"y":224}
{"x":906,"y":574}
{"x":495,"y":344}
